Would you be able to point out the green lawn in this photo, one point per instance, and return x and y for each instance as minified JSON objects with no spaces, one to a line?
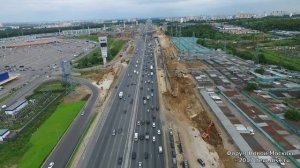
{"x":94,"y":58}
{"x":281,"y":59}
{"x":45,"y":138}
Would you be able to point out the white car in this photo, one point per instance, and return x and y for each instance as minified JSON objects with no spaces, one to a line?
{"x":153,"y":125}
{"x":153,"y":139}
{"x":140,"y":164}
{"x":158,"y":131}
{"x":51,"y":165}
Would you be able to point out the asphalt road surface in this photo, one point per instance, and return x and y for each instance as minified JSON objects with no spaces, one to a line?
{"x":106,"y":150}
{"x":64,"y":149}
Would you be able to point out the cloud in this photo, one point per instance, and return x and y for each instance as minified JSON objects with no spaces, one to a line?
{"x":39,"y":10}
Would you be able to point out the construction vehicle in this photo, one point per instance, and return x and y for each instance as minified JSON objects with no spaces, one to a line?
{"x":205,"y":134}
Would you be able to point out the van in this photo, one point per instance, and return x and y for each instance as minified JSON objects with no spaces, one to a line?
{"x":160,"y":149}
{"x":136,"y":136}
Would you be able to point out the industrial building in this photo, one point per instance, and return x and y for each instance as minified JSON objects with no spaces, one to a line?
{"x":3,"y":133}
{"x":4,"y":76}
{"x":16,"y":107}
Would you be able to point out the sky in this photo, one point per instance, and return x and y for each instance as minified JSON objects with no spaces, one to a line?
{"x":61,"y":10}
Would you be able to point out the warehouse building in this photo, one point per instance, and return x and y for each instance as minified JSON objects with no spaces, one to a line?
{"x":3,"y":133}
{"x":4,"y":76}
{"x":16,"y":107}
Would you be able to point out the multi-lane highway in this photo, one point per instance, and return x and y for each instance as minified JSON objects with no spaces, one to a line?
{"x":113,"y":144}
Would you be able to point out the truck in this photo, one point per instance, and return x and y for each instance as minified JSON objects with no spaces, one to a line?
{"x":121,"y":95}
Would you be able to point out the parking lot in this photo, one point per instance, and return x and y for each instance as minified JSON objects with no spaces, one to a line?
{"x":30,"y":62}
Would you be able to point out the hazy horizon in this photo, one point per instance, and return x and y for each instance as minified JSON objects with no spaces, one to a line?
{"x":64,"y":10}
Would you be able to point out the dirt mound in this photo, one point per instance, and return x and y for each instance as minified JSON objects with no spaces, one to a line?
{"x":80,"y":93}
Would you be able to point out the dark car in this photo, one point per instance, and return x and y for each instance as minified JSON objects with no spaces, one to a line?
{"x":120,"y":130}
{"x":201,"y":162}
{"x":133,"y":156}
{"x":120,"y":160}
{"x":146,"y":155}
{"x":141,"y":137}
{"x":148,"y":122}
{"x":143,"y":122}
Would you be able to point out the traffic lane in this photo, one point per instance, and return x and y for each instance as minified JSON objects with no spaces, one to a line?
{"x":111,"y":157}
{"x":70,"y":139}
{"x":120,"y":146}
{"x":106,"y":143}
{"x":112,"y":140}
{"x":125,"y":94}
{"x":102,"y":139}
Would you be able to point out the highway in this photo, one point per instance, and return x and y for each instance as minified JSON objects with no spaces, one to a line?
{"x":108,"y":150}
{"x":64,"y":149}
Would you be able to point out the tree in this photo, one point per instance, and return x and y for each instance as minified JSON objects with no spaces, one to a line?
{"x":292,"y":114}
{"x":251,"y":86}
{"x":262,"y":59}
{"x":260,"y":70}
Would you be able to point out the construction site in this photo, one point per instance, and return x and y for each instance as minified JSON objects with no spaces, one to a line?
{"x":185,"y":111}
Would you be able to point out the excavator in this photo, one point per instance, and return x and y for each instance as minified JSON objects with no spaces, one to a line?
{"x":205,"y":134}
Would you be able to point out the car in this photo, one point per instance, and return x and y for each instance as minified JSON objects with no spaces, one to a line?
{"x":153,"y":124}
{"x":147,"y":122}
{"x":142,"y":122}
{"x":82,"y":113}
{"x":172,"y":144}
{"x":186,"y":164}
{"x":120,"y":159}
{"x":148,"y":110}
{"x":133,"y":155}
{"x":141,"y":137}
{"x":140,"y":164}
{"x":173,"y":153}
{"x":201,"y":162}
{"x":153,"y":117}
{"x":157,"y":108}
{"x":153,"y":139}
{"x":158,"y":131}
{"x":146,"y":155}
{"x":114,"y":132}
{"x":138,"y":123}
{"x":124,"y":111}
{"x":120,"y":130}
{"x":147,"y":136}
{"x":51,"y":164}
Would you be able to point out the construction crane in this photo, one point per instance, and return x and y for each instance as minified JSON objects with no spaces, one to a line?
{"x":205,"y":134}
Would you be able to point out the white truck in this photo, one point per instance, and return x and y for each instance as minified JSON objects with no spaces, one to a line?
{"x":121,"y":95}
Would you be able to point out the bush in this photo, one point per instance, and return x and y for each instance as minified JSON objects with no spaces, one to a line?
{"x":251,"y":86}
{"x":260,"y":70}
{"x":292,"y":114}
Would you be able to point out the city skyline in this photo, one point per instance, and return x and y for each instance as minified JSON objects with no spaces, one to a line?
{"x":58,"y":10}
